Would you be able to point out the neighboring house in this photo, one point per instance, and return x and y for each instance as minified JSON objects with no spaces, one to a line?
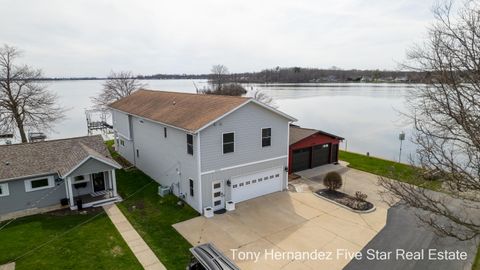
{"x":49,"y":174}
{"x":208,"y":149}
{"x":310,"y":148}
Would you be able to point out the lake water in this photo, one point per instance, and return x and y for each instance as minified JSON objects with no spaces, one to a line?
{"x":366,"y":115}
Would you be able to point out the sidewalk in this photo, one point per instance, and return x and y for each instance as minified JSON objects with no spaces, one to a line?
{"x":8,"y":266}
{"x":140,"y":249}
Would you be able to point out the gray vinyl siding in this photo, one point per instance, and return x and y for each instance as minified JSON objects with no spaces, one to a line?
{"x":126,"y":150}
{"x":247,"y":123}
{"x":121,"y":123}
{"x":89,"y":188}
{"x":166,"y":159}
{"x":91,"y":166}
{"x":19,"y":199}
{"x":207,"y":179}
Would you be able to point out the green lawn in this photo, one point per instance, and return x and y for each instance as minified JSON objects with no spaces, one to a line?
{"x":398,"y":171}
{"x":476,"y":263}
{"x":153,"y":216}
{"x":93,"y":245}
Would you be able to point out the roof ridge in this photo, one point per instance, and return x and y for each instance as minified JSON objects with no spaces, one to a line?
{"x":192,"y":94}
{"x":49,"y":141}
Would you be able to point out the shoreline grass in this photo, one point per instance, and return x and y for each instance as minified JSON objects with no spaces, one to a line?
{"x":387,"y":168}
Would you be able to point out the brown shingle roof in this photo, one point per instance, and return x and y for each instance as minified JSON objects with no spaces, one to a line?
{"x":183,"y":110}
{"x":48,"y":157}
{"x":298,"y":133}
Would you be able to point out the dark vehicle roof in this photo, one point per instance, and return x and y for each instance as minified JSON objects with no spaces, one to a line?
{"x":211,"y":258}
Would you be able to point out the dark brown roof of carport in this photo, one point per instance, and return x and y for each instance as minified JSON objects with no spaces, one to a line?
{"x":183,"y":110}
{"x":298,"y":133}
{"x":50,"y":157}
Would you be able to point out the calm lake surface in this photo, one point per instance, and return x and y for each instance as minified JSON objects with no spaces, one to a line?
{"x":366,"y":115}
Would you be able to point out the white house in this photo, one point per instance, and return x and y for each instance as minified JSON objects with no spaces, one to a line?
{"x":209,"y":149}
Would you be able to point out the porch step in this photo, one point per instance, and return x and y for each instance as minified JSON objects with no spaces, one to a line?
{"x":99,"y":193}
{"x":106,"y":201}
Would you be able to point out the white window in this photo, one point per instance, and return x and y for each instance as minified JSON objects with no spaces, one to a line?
{"x":39,"y":183}
{"x":4,"y":190}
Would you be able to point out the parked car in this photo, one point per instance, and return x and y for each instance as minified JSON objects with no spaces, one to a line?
{"x":208,"y":257}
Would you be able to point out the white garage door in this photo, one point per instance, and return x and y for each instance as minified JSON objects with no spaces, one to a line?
{"x":257,"y":184}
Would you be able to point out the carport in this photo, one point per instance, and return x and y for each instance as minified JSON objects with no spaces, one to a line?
{"x":310,"y":148}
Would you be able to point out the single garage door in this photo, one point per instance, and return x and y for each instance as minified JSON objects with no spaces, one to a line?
{"x":320,"y":155}
{"x":256,"y":184}
{"x":301,"y":159}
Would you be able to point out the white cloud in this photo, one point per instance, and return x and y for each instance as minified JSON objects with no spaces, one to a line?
{"x":90,"y":38}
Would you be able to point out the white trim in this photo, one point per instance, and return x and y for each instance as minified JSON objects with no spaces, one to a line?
{"x":223,"y":153}
{"x":123,"y":136}
{"x":245,"y":103}
{"x":244,"y":164}
{"x":261,"y":137}
{"x":87,"y":158}
{"x":144,"y":118}
{"x":215,"y":120}
{"x":5,"y":190}
{"x":199,"y":171}
{"x":28,"y":183}
{"x":70,"y":191}
{"x":114,"y":182}
{"x":293,"y":119}
{"x":223,"y":115}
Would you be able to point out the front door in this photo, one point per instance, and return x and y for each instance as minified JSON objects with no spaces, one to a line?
{"x":218,"y":195}
{"x":98,"y":181}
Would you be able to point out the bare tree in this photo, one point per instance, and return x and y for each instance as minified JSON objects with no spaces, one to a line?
{"x":118,"y":85}
{"x":218,"y":77}
{"x":446,"y":117}
{"x":25,"y":103}
{"x":264,"y":98}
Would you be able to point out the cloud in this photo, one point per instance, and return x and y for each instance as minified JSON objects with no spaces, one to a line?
{"x":90,"y":38}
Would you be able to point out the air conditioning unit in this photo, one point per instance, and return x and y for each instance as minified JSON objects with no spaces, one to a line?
{"x":163,"y":191}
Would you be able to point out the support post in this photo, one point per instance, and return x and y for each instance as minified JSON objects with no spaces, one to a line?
{"x":114,"y":182}
{"x":70,"y":191}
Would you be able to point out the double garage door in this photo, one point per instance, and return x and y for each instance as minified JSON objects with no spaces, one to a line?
{"x":257,"y":184}
{"x":310,"y":157}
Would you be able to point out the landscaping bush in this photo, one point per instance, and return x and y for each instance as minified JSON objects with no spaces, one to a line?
{"x":333,"y":181}
{"x":361,"y":196}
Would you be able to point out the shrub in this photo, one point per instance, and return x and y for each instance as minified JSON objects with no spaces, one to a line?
{"x":361,"y":196}
{"x":333,"y":181}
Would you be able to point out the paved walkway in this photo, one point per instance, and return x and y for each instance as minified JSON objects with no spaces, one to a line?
{"x":140,"y":249}
{"x":8,"y":266}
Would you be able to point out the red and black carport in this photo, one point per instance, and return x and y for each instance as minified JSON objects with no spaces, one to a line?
{"x":311,"y":148}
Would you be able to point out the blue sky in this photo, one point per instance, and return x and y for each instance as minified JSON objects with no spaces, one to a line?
{"x":91,"y":38}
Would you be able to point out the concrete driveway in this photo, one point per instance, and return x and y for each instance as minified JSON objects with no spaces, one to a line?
{"x":404,"y":232}
{"x":286,"y":223}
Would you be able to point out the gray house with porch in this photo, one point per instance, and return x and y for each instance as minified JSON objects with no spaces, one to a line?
{"x":206,"y":149}
{"x":42,"y":176}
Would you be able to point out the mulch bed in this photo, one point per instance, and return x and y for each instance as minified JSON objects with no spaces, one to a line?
{"x":345,"y":199}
